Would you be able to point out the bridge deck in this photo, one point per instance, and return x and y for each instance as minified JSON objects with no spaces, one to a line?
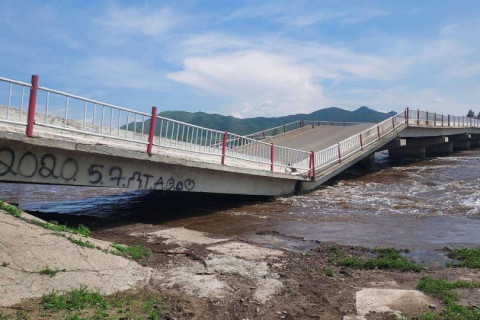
{"x":317,"y":138}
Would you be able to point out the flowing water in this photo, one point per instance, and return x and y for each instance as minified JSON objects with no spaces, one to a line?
{"x":425,"y":205}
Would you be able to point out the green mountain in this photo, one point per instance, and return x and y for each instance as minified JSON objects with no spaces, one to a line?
{"x":251,"y":125}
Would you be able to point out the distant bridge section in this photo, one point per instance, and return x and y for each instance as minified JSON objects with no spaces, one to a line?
{"x":53,"y":137}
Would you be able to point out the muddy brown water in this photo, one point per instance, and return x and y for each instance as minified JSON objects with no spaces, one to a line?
{"x":424,"y":205}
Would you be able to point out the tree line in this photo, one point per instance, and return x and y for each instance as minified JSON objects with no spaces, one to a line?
{"x":471,"y":114}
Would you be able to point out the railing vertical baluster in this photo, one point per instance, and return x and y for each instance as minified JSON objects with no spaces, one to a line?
{"x":93,"y":118}
{"x":111,"y":121}
{"x":9,"y":99}
{"x":66,"y":111}
{"x":151,"y":131}
{"x":84,"y":115}
{"x":224,"y":144}
{"x":339,"y":153}
{"x":31,"y":106}
{"x":46,"y":106}
{"x":118,"y":122}
{"x":126,"y":126}
{"x":272,"y":152}
{"x":21,"y":104}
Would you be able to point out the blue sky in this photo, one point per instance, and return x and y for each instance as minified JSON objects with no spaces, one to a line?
{"x":249,"y":58}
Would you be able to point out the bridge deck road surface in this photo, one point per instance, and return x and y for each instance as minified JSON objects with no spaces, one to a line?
{"x":318,"y":138}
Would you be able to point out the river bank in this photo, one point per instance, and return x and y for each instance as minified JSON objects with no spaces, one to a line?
{"x":193,"y":275}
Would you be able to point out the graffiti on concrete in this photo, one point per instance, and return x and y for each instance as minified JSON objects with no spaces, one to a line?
{"x":28,"y":165}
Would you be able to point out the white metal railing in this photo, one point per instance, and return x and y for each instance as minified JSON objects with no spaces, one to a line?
{"x":66,"y":112}
{"x":356,"y":143}
{"x":60,"y":110}
{"x":292,"y":126}
{"x":184,"y":136}
{"x":13,"y":101}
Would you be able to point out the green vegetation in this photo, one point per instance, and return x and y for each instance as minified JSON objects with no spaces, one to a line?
{"x":444,"y":290}
{"x":82,"y":304}
{"x":469,"y":258}
{"x":14,"y":211}
{"x":49,"y":272}
{"x":389,"y":259}
{"x":135,"y":252}
{"x":251,"y":125}
{"x":77,"y":299}
{"x":329,"y":272}
{"x":53,"y":225}
{"x":81,"y":243}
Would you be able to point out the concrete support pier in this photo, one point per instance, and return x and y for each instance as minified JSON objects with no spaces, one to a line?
{"x":475,"y":141}
{"x":461,"y":142}
{"x":407,"y":152}
{"x":367,"y":163}
{"x":440,"y":149}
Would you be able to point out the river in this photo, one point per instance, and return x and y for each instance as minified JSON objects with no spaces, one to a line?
{"x":424,"y":204}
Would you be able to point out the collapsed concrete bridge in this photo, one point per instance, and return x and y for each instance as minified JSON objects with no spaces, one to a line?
{"x":60,"y":138}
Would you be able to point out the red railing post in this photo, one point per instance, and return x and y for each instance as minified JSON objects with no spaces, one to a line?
{"x":339,"y":154}
{"x":427,"y":119}
{"x":31,"y":106}
{"x":448,"y":120}
{"x":442,"y":121}
{"x":361,"y":142}
{"x":312,"y":164}
{"x":434,"y":119}
{"x":418,"y":116}
{"x":393,"y":123}
{"x":407,"y":114}
{"x":378,"y":132}
{"x":151,"y":131}
{"x":272,"y":152}
{"x":224,"y":145}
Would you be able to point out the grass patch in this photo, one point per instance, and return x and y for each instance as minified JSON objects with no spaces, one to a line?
{"x":466,"y":257}
{"x":53,"y":225}
{"x":81,"y":243}
{"x":328,"y":272}
{"x":14,"y":211}
{"x":387,"y":259}
{"x":135,"y":252}
{"x":77,"y":299}
{"x":444,"y":290}
{"x":49,"y":272}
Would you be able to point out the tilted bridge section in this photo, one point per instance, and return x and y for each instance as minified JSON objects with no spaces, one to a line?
{"x":53,"y":137}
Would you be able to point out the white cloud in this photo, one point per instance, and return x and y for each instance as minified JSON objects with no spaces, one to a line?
{"x":257,"y":83}
{"x":119,"y":73}
{"x":146,"y":21}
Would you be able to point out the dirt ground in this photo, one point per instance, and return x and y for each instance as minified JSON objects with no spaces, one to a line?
{"x":199,"y":276}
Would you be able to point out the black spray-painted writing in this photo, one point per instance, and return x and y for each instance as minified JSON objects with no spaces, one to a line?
{"x":30,"y":166}
{"x":137,"y":179}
